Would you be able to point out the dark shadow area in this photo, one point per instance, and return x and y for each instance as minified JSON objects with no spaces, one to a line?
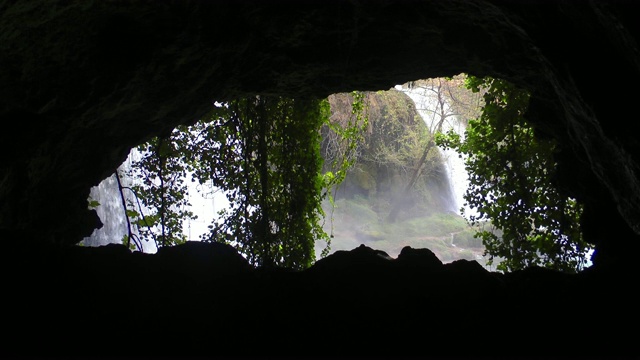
{"x":84,"y":82}
{"x":200,"y":299}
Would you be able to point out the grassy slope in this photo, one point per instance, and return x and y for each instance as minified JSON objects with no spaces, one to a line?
{"x":356,"y":222}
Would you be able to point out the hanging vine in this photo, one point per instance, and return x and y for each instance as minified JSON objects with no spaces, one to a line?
{"x":263,"y":152}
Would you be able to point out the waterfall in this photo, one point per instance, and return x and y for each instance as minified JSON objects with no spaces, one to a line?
{"x":205,"y":200}
{"x":454,"y":164}
{"x":110,"y":210}
{"x":427,"y":106}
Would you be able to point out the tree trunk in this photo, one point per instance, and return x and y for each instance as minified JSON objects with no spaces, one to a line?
{"x":265,"y":232}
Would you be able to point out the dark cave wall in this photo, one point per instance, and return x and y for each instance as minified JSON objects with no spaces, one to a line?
{"x":86,"y":81}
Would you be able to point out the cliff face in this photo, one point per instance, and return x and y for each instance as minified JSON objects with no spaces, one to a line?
{"x":392,"y":120}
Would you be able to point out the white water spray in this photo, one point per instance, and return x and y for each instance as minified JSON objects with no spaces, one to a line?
{"x":111,"y":212}
{"x":429,"y":109}
{"x":205,"y":202}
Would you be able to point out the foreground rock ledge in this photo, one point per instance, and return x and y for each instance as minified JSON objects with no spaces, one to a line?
{"x":204,"y":299}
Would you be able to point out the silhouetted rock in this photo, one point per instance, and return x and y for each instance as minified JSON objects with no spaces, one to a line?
{"x":362,"y":258}
{"x":418,"y":258}
{"x":358,"y":302}
{"x":212,"y":257}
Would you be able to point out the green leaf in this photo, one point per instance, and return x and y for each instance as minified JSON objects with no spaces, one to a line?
{"x":93,"y":204}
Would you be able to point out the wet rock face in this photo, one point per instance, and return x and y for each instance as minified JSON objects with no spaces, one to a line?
{"x":84,"y":82}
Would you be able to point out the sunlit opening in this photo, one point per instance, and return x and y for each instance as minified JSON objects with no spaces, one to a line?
{"x":402,"y":187}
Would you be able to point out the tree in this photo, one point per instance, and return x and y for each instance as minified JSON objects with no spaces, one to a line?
{"x":511,"y":186}
{"x":386,"y":146}
{"x":263,"y":152}
{"x":450,"y":97}
{"x":342,"y":135}
{"x":342,"y":139}
{"x":440,"y":92}
{"x":161,"y":203}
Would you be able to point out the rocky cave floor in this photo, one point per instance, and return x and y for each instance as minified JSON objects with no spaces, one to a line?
{"x":204,"y":299}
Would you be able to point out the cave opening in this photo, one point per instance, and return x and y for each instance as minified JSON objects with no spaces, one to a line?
{"x":401,"y":165}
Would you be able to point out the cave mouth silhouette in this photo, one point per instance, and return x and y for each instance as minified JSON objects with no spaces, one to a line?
{"x":432,"y":98}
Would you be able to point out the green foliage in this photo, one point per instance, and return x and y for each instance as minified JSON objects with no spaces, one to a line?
{"x":397,"y":136}
{"x":93,"y":203}
{"x":363,"y":178}
{"x":342,"y":139}
{"x":510,"y":175}
{"x":361,"y":220}
{"x":342,"y":135}
{"x":467,"y":239}
{"x":160,"y":189}
{"x":391,"y":153}
{"x":359,"y":210}
{"x":130,"y":242}
{"x":264,"y":153}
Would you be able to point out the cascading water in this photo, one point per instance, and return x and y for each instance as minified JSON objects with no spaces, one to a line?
{"x":430,"y":109}
{"x":205,"y":202}
{"x":111,"y":211}
{"x":454,"y":164}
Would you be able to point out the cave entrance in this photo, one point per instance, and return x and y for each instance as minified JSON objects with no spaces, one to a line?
{"x":404,"y":186}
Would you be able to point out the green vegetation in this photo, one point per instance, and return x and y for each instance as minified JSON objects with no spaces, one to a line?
{"x":161,"y":190}
{"x":511,"y":186}
{"x":395,"y":193}
{"x":448,"y":235}
{"x":370,"y":161}
{"x":264,"y":153}
{"x":396,"y":159}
